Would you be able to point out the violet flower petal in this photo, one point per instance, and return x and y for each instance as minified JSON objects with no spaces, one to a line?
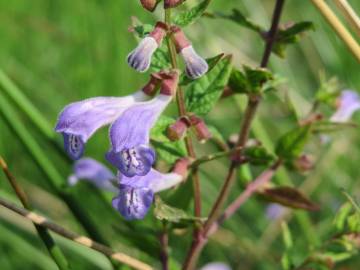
{"x":274,"y":211}
{"x":134,"y":161}
{"x":90,"y":170}
{"x":133,"y":202}
{"x":79,"y":121}
{"x":130,"y":136}
{"x":136,"y":193}
{"x":349,"y":103}
{"x":154,"y":180}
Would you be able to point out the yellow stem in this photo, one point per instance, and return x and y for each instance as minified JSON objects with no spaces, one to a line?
{"x":350,"y":15}
{"x":338,"y":27}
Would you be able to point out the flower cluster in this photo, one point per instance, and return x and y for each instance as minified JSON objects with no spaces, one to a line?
{"x":131,"y":119}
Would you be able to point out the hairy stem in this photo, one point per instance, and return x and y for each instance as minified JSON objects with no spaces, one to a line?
{"x":164,"y":243}
{"x":250,"y":112}
{"x":54,"y":250}
{"x":214,"y":156}
{"x":253,"y":187}
{"x":182,"y":112}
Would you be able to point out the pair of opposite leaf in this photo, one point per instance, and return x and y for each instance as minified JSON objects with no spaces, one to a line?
{"x":140,"y":58}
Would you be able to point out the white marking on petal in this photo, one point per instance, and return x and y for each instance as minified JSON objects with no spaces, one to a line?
{"x":196,"y":66}
{"x":140,"y":58}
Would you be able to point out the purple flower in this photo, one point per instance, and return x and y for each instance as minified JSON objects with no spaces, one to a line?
{"x":216,"y":266}
{"x":136,"y":193}
{"x":93,"y":171}
{"x":129,"y":136}
{"x":196,"y":66}
{"x":274,"y":211}
{"x":140,"y":58}
{"x":348,"y":103}
{"x":80,"y":120}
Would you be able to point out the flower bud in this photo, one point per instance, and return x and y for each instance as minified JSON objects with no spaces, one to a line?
{"x":152,"y":85}
{"x":172,"y":3}
{"x":200,"y":129}
{"x":181,"y":167}
{"x":140,"y":58}
{"x":304,"y":163}
{"x":177,"y":130}
{"x":196,"y":66}
{"x":149,"y":5}
{"x":169,"y":82}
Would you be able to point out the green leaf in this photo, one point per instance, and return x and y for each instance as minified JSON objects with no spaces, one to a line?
{"x":286,"y":259}
{"x":342,"y":215}
{"x":238,"y":81}
{"x":142,"y":30}
{"x":292,"y":110}
{"x":167,"y":150}
{"x":354,"y":222}
{"x":240,"y":19}
{"x":188,"y":17}
{"x":181,"y":197}
{"x":258,"y":155}
{"x":160,"y":60}
{"x":251,"y":80}
{"x":329,"y":90}
{"x":286,"y":234}
{"x":202,"y":94}
{"x":289,"y":197}
{"x":257,"y":77}
{"x":171,"y":214}
{"x":290,"y":35}
{"x":291,"y":144}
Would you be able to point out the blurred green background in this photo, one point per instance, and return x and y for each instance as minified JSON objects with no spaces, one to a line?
{"x":58,"y":52}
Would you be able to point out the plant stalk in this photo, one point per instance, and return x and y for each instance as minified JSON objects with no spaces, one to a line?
{"x":182,"y":112}
{"x":53,"y":249}
{"x":350,"y":14}
{"x":250,"y":112}
{"x":83,"y":240}
{"x":339,"y":28}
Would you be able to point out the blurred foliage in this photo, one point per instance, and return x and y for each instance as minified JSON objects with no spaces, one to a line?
{"x":58,"y":52}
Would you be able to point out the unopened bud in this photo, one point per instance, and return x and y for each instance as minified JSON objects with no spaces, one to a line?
{"x":304,"y":163}
{"x":172,"y":3}
{"x":177,"y":130}
{"x":180,"y":40}
{"x":152,"y":85}
{"x":149,"y":5}
{"x":181,"y":167}
{"x":159,"y":32}
{"x":200,"y":129}
{"x":170,"y":82}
